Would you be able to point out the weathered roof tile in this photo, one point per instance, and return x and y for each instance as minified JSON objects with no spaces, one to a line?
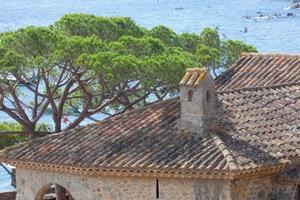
{"x":258,"y":70}
{"x":249,"y":139}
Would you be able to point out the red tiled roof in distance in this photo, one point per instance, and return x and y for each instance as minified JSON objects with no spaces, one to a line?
{"x":260,"y":69}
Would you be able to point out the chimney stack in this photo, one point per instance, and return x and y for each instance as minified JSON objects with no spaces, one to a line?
{"x":198,"y":101}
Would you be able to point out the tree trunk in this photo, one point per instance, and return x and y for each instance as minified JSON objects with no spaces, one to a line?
{"x":31,"y":131}
{"x":57,"y":123}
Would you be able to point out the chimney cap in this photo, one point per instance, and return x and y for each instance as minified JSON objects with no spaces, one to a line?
{"x":193,"y":76}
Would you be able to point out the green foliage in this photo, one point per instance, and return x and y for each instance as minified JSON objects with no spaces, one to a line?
{"x":210,"y":38}
{"x":106,"y":28}
{"x":35,"y":44}
{"x":71,"y":48}
{"x":232,"y":49}
{"x":189,"y":42}
{"x":11,"y":139}
{"x":141,"y":47}
{"x":166,"y":35}
{"x":208,"y":56}
{"x":100,"y":64}
{"x":216,"y":54}
{"x":9,"y":60}
{"x":76,"y":36}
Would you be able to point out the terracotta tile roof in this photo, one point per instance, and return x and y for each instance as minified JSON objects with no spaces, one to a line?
{"x":145,"y":138}
{"x":259,"y":69}
{"x":256,"y":127}
{"x":261,"y":126}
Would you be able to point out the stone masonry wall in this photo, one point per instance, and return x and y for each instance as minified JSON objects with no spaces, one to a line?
{"x":85,"y":188}
{"x":193,"y":189}
{"x":213,"y":190}
{"x":285,"y":192}
{"x":262,"y":189}
{"x":30,"y":182}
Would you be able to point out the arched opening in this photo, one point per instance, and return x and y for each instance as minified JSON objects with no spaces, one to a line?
{"x":53,"y":192}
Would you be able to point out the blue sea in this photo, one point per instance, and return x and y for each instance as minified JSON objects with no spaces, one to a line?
{"x":5,"y":181}
{"x":267,"y":24}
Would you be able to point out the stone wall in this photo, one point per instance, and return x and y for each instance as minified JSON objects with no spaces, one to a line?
{"x":88,"y":188}
{"x":262,"y":189}
{"x":213,"y":190}
{"x":8,"y":196}
{"x":285,"y":192}
{"x":193,"y":189}
{"x":31,"y":182}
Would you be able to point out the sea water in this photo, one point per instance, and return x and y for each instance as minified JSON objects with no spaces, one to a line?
{"x":266,"y":21}
{"x":5,"y":181}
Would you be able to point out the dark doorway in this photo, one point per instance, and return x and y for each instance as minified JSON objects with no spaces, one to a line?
{"x":54,"y":192}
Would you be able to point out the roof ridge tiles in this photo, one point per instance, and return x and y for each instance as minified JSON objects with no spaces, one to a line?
{"x":279,"y":54}
{"x":231,"y":161}
{"x":273,"y":86}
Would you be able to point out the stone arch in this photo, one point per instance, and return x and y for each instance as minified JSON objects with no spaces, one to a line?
{"x":51,"y":189}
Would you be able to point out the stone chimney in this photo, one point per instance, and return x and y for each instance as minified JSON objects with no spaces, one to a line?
{"x":198,"y":101}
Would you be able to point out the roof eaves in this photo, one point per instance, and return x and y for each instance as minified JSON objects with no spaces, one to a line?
{"x":139,"y":172}
{"x":121,"y":171}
